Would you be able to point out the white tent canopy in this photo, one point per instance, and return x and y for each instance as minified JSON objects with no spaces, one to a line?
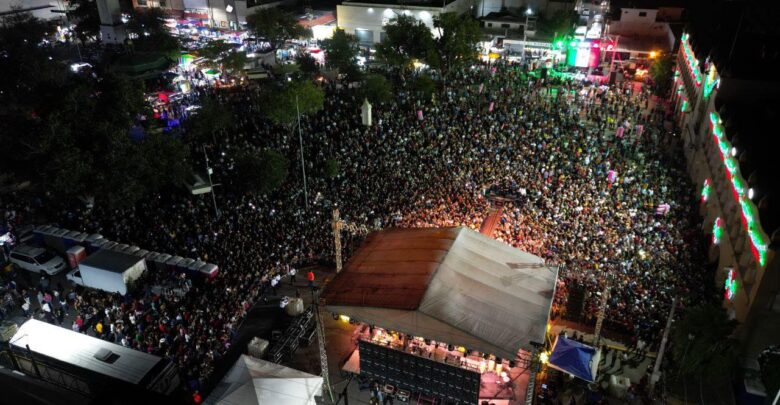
{"x":484,"y":295}
{"x":255,"y":381}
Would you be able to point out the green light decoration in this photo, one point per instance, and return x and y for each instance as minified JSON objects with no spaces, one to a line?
{"x":717,"y":231}
{"x":705,"y":191}
{"x":690,"y":59}
{"x":750,"y":222}
{"x":731,"y":285}
{"x":684,"y":105}
{"x":710,"y":81}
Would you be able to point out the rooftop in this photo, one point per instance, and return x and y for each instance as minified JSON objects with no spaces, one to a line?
{"x":402,"y":3}
{"x":110,"y":260}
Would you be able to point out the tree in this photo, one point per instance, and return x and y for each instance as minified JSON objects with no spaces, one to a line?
{"x":275,"y":26}
{"x":85,"y":12}
{"x":769,"y":361}
{"x":661,"y":72}
{"x":332,"y":168}
{"x":262,"y":173}
{"x":150,"y":34}
{"x":214,"y":51}
{"x":307,"y":64}
{"x":560,"y":23}
{"x":457,"y":42}
{"x":211,"y":118}
{"x":340,"y":51}
{"x":164,"y":161}
{"x":406,"y":39}
{"x":703,"y":345}
{"x":376,"y":89}
{"x":234,"y":63}
{"x":424,"y":86}
{"x":282,"y":108}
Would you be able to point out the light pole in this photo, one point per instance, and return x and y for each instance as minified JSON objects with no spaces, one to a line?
{"x":211,"y":184}
{"x":528,"y":13}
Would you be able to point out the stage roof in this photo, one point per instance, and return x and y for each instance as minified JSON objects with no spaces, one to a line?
{"x":448,"y":284}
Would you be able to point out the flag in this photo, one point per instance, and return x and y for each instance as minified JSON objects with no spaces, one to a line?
{"x":419,"y":115}
{"x":490,"y":108}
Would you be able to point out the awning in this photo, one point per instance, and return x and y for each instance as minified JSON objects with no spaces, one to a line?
{"x":447,"y":284}
{"x":255,"y":381}
{"x":575,"y":358}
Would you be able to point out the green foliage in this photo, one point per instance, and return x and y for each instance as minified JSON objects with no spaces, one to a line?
{"x":406,"y":39}
{"x":457,"y":41}
{"x":376,"y":89}
{"x":214,"y":51}
{"x":332,"y":168}
{"x":661,"y":72}
{"x":276,"y":26}
{"x":769,"y":360}
{"x":341,"y":50}
{"x":560,"y":23}
{"x":702,"y":342}
{"x":234,"y":63}
{"x":307,"y":64}
{"x":68,"y":133}
{"x":85,"y":14}
{"x":151,"y":33}
{"x":424,"y":86}
{"x":281,"y":108}
{"x":211,"y":118}
{"x":264,"y":172}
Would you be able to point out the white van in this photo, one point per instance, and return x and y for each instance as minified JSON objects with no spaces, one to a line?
{"x":37,"y":259}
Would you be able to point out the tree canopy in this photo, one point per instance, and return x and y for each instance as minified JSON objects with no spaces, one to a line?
{"x":149,"y":33}
{"x":282,"y":108}
{"x":406,"y":39}
{"x":457,"y":41}
{"x":341,"y":51}
{"x":69,"y":133}
{"x":376,"y":89}
{"x":275,"y":25}
{"x":264,"y":172}
{"x":211,"y":118}
{"x":85,"y":14}
{"x":661,"y":72}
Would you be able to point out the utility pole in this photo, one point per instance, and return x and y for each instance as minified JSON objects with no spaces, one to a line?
{"x":528,"y":13}
{"x":337,"y":225}
{"x":303,"y":165}
{"x":614,"y":50}
{"x":211,"y":184}
{"x":658,"y":360}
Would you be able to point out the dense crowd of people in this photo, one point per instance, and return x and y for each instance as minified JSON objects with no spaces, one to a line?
{"x":589,"y":198}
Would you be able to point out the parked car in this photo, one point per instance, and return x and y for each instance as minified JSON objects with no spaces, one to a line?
{"x":37,"y":259}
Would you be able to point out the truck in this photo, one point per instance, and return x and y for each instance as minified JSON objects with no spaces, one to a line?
{"x":88,"y":365}
{"x":108,"y":270}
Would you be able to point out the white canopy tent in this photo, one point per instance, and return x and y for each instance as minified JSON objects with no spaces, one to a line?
{"x":480,"y":293}
{"x":255,"y":381}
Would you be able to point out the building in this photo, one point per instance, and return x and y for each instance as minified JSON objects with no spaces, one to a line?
{"x":723,"y":87}
{"x":41,"y":9}
{"x":223,"y":14}
{"x":366,"y":19}
{"x":644,"y":29}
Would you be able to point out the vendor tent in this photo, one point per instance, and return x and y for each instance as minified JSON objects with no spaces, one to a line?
{"x":453,"y":285}
{"x":255,"y":381}
{"x":575,"y":358}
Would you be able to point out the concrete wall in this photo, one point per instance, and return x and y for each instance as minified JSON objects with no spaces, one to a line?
{"x":485,"y":7}
{"x":368,"y":20}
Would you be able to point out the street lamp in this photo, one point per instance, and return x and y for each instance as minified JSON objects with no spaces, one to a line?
{"x":528,"y":13}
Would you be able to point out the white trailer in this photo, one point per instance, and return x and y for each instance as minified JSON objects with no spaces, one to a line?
{"x":108,"y":270}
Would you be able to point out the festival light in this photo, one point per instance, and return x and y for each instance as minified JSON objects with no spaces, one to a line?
{"x":690,"y":59}
{"x":731,"y":285}
{"x":717,"y":231}
{"x":711,"y":81}
{"x":750,"y":221}
{"x":684,"y":105}
{"x":706,"y":190}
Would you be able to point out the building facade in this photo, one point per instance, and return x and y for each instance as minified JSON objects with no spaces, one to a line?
{"x":743,"y":245}
{"x":367,"y":20}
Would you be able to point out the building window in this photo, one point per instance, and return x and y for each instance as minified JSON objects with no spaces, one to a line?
{"x":141,"y":2}
{"x":163,"y":3}
{"x":490,"y":24}
{"x":505,"y":25}
{"x":643,"y":13}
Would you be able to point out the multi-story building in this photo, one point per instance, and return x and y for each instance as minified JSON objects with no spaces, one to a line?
{"x":224,"y":14}
{"x":722,"y":82}
{"x":366,"y":19}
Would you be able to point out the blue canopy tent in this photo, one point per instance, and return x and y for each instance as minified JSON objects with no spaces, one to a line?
{"x":575,"y":358}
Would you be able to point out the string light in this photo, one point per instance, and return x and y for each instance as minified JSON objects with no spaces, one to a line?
{"x":711,"y":81}
{"x":731,"y":285}
{"x":690,"y":59}
{"x":758,"y":242}
{"x":706,"y":190}
{"x":717,"y":231}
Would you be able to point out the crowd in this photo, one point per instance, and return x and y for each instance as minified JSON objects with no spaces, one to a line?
{"x":588,"y":203}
